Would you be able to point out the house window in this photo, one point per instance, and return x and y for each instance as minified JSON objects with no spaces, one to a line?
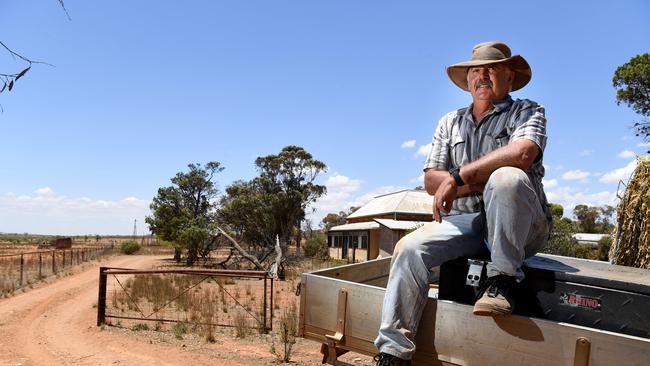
{"x":348,"y":239}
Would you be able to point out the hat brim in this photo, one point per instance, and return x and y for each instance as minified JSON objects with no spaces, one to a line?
{"x":458,"y":72}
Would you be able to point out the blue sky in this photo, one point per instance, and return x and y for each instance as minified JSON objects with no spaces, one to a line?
{"x":141,"y":89}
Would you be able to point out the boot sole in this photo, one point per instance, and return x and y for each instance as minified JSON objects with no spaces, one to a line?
{"x":490,"y":311}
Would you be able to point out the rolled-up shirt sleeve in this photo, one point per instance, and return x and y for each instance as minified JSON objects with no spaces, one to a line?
{"x":439,"y":153}
{"x":530,"y":124}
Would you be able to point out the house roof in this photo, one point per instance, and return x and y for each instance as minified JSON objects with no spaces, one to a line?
{"x":589,"y":237}
{"x":366,"y":225}
{"x":407,"y":201}
{"x":399,"y":224}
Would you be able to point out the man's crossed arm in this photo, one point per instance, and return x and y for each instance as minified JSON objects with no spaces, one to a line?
{"x":439,"y":183}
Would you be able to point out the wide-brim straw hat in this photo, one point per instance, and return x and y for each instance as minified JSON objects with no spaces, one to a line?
{"x":487,"y":53}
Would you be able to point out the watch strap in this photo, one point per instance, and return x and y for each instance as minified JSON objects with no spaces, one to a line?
{"x":455,"y":172}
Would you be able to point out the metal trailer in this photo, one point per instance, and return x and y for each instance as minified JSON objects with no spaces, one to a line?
{"x":341,"y":307}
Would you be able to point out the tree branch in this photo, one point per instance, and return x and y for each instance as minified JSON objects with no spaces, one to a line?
{"x":241,"y":250}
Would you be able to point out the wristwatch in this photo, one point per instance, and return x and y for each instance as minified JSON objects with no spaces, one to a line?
{"x":455,"y":172}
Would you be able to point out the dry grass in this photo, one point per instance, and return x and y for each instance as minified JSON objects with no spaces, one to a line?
{"x":189,"y":298}
{"x":36,"y":265}
{"x":224,"y":304}
{"x":633,"y":216}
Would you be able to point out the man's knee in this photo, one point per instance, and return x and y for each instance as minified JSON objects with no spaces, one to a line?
{"x":507,"y":180}
{"x":405,"y":245}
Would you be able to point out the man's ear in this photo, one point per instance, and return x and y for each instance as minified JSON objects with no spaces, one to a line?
{"x":511,"y":77}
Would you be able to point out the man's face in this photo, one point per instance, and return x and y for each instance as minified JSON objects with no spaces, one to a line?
{"x":489,"y":82}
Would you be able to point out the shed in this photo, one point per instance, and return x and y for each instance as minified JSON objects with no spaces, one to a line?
{"x":63,"y":243}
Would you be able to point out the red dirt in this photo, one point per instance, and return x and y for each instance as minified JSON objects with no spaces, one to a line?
{"x":55,"y":325}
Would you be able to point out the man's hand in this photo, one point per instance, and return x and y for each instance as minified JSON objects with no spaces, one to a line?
{"x":444,"y":197}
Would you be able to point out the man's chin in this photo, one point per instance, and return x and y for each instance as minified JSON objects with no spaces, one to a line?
{"x":484,"y":96}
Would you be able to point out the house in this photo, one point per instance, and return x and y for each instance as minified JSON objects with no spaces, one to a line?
{"x":374,"y":229}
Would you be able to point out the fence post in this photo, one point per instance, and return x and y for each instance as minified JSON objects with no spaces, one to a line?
{"x":63,"y":265}
{"x":53,"y":262}
{"x":101,"y":300}
{"x":22,"y":264}
{"x":40,"y":265}
{"x":271,"y":323}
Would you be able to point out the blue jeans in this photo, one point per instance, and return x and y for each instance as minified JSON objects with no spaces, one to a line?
{"x":515,"y":226}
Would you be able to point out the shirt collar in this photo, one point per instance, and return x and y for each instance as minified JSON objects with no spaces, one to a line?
{"x":502,"y":104}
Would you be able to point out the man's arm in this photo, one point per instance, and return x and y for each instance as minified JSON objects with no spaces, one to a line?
{"x":433,"y":178}
{"x":519,"y":153}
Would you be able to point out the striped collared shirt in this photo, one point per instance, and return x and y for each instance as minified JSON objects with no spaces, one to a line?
{"x":458,"y":141}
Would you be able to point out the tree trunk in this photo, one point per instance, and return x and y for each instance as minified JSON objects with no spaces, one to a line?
{"x":241,"y":250}
{"x":298,"y":239}
{"x":192,"y":254}
{"x":177,"y":254}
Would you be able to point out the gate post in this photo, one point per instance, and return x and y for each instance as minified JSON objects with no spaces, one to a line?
{"x":101,"y":300}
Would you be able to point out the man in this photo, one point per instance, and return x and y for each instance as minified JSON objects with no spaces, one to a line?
{"x":485,"y":173}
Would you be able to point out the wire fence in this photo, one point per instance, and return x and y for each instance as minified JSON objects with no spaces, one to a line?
{"x":206,"y":298}
{"x":23,"y":269}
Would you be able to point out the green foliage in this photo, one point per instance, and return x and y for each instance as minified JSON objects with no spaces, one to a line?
{"x":562,"y":241}
{"x":316,"y":247}
{"x":129,"y":247}
{"x":556,"y":209}
{"x":274,"y":203}
{"x":632,"y":83}
{"x":593,"y":219}
{"x":139,"y":327}
{"x":179,"y":329}
{"x":604,"y":246}
{"x":183,"y":213}
{"x":333,"y":219}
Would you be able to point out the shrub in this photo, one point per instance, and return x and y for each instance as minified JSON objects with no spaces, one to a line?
{"x":316,"y":247}
{"x":129,"y":247}
{"x":562,"y":241}
{"x":242,"y":330}
{"x":287,"y":334}
{"x":604,"y":245}
{"x":179,"y":329}
{"x":139,"y":327}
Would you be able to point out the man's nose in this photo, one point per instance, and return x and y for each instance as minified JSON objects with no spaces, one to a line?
{"x":484,"y":73}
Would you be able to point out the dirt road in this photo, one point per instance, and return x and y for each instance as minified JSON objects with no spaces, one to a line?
{"x":55,"y":325}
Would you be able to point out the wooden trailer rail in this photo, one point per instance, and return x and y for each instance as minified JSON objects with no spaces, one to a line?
{"x":341,"y":309}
